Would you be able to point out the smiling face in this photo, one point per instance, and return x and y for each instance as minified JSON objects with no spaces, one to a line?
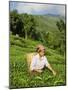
{"x":41,"y":50}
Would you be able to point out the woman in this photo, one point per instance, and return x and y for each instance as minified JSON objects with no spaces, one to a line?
{"x":39,"y":61}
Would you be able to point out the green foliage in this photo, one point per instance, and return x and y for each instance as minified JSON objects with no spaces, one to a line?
{"x":19,"y":76}
{"x":62,"y":27}
{"x":26,"y":32}
{"x":23,"y":25}
{"x":47,"y":29}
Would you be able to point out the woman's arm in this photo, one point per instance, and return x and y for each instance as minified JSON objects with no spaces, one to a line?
{"x":50,"y":68}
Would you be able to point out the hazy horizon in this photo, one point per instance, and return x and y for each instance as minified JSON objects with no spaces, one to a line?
{"x":37,"y":8}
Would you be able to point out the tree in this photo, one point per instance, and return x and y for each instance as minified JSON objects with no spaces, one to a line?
{"x":16,"y":23}
{"x":27,"y":24}
{"x":61,"y":27}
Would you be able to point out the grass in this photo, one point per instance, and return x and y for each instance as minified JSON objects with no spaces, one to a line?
{"x":19,"y":76}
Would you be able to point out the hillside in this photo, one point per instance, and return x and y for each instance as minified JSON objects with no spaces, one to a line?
{"x":19,"y":76}
{"x":47,"y":23}
{"x":26,"y":32}
{"x":50,"y":33}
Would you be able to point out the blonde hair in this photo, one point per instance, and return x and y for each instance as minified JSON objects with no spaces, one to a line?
{"x":29,"y":57}
{"x":39,"y":48}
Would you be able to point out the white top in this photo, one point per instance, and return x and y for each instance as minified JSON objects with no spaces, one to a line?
{"x":38,"y":62}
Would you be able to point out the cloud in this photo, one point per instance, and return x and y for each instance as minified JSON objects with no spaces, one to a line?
{"x":31,"y":7}
{"x":35,"y":8}
{"x":57,"y":9}
{"x":61,"y":10}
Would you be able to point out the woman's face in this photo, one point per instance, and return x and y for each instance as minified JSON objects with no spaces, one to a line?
{"x":42,"y":52}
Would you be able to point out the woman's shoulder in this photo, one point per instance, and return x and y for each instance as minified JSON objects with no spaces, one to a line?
{"x":45,"y":57}
{"x":35,"y":55}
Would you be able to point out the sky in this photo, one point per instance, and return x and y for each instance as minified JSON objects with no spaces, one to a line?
{"x":38,"y":8}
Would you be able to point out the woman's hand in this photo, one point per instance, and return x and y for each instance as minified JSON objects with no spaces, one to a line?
{"x":50,"y":68}
{"x":39,"y":70}
{"x":54,"y":73}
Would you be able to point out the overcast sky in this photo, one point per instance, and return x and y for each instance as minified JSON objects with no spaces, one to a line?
{"x":38,"y":8}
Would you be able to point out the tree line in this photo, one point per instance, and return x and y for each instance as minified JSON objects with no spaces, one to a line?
{"x":25,"y":26}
